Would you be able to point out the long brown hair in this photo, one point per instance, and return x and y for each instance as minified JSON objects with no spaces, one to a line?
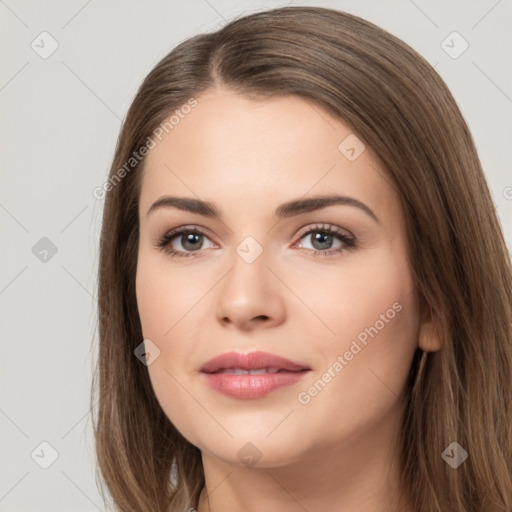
{"x":398,"y":105}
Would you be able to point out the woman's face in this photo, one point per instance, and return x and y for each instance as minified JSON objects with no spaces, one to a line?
{"x":270,"y":269}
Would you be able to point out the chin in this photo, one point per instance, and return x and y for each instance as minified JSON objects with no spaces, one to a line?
{"x":249,"y":448}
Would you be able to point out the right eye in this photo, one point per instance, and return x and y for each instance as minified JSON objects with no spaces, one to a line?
{"x":183,"y":241}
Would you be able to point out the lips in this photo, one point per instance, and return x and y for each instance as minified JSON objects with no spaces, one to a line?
{"x":243,"y":371}
{"x":253,"y":361}
{"x":252,"y":375}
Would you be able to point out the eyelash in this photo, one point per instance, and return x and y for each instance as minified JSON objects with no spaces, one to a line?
{"x":165,"y":242}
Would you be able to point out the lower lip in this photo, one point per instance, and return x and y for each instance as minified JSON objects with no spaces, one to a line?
{"x":252,"y":386}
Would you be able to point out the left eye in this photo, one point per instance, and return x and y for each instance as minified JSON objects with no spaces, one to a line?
{"x":325,"y":240}
{"x":321,"y":240}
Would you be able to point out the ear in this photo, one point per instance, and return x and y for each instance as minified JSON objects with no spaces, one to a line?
{"x":430,"y":337}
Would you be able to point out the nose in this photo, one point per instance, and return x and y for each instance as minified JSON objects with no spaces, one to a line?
{"x":250,"y":296}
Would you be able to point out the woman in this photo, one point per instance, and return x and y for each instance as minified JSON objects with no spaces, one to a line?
{"x":304,"y":292}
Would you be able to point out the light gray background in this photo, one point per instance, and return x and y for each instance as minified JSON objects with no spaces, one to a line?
{"x":60,"y":118}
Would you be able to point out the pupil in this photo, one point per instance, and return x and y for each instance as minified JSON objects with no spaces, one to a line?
{"x":324,"y":239}
{"x":192,"y":238}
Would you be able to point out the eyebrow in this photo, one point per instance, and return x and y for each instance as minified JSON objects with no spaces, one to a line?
{"x":285,"y":210}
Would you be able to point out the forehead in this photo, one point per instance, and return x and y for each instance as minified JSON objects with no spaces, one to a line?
{"x":230,"y":145}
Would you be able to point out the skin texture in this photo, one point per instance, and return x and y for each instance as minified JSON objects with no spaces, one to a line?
{"x":248,"y":157}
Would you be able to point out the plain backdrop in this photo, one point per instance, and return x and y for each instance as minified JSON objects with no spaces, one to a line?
{"x":60,"y":117}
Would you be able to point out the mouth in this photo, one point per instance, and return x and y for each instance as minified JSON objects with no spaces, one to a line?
{"x":261,"y":362}
{"x":244,"y":371}
{"x":251,"y":375}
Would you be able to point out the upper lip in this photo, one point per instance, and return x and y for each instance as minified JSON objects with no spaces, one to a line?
{"x":251,"y":361}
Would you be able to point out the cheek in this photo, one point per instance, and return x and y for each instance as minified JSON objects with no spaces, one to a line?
{"x":365,"y":373}
{"x":358,"y":297}
{"x":382,"y":304}
{"x":165,"y":298}
{"x":375,"y":321}
{"x":172,"y":307}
